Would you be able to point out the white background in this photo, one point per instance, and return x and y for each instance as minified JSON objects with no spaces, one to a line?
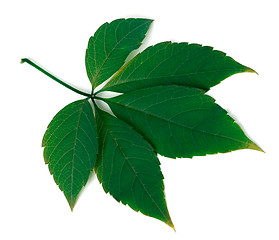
{"x":223,"y":196}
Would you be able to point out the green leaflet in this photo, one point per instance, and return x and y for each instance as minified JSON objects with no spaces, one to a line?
{"x":180,"y":121}
{"x":110,"y":46}
{"x":169,"y":63}
{"x":70,"y":147}
{"x":128,"y":168}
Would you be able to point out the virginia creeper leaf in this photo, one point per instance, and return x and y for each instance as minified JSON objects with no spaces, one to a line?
{"x":128,"y":168}
{"x":168,"y":63}
{"x":110,"y":46}
{"x":180,"y":121}
{"x":70,"y":147}
{"x":163,"y":109}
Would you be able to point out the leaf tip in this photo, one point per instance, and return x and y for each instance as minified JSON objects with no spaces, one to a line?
{"x":250,"y":70}
{"x":72,"y":205}
{"x":168,"y":221}
{"x":254,"y":146}
{"x":171,"y":225}
{"x":72,"y":202}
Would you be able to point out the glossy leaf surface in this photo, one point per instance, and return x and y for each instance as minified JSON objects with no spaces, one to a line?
{"x":128,"y":168}
{"x":70,"y":147}
{"x":180,"y":121}
{"x":110,"y":46}
{"x":169,"y":63}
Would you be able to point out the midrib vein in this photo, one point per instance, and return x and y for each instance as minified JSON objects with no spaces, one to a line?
{"x":171,"y":121}
{"x":136,"y":174}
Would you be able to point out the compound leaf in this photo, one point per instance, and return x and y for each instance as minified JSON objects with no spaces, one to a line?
{"x":128,"y":168}
{"x":169,"y":63}
{"x":179,"y":121}
{"x":110,"y":46}
{"x":70,"y":147}
{"x":164,"y":109}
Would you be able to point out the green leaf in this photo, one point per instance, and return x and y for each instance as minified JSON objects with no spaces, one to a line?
{"x":179,"y":121}
{"x":110,"y":46}
{"x":163,"y":109}
{"x":169,"y":63}
{"x":128,"y":168}
{"x":70,"y":147}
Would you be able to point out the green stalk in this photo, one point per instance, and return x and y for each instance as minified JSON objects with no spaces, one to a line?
{"x":23,"y":60}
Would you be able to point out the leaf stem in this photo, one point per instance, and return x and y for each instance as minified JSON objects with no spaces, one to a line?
{"x":97,"y":92}
{"x":98,"y":98}
{"x":23,"y":60}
